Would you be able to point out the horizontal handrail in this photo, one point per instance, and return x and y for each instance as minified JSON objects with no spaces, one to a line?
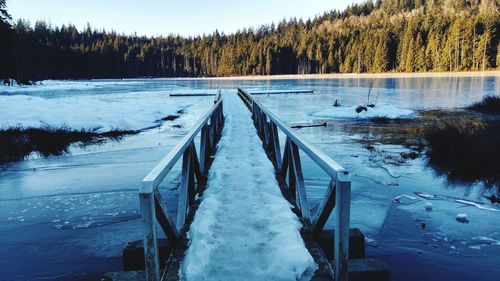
{"x":328,"y":165}
{"x":193,"y":175}
{"x":152,"y":180}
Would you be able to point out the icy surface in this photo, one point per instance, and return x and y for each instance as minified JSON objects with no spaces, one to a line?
{"x":244,"y":228}
{"x":380,"y":110}
{"x":100,"y":113}
{"x":39,"y":195}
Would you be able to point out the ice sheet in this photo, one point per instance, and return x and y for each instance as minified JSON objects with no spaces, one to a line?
{"x":101,"y":113}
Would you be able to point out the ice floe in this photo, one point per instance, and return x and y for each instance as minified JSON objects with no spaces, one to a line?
{"x":380,"y":110}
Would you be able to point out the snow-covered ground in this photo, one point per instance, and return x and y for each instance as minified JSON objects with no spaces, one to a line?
{"x":244,"y":228}
{"x":100,"y":113}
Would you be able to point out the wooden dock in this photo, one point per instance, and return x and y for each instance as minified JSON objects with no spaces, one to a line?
{"x":329,"y":248}
{"x":270,"y":92}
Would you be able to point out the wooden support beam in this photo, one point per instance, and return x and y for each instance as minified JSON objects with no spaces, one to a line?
{"x":164,"y":219}
{"x":325,"y":209}
{"x":152,"y":262}
{"x":277,"y":92}
{"x":270,"y":145}
{"x":262,"y":117}
{"x":191,"y":95}
{"x":299,"y":183}
{"x":286,"y":159}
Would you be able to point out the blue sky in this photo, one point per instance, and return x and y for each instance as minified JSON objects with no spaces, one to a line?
{"x":162,"y":17}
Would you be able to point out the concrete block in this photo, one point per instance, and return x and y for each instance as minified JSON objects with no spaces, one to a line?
{"x":133,"y":254}
{"x":368,"y":269}
{"x":326,"y":241}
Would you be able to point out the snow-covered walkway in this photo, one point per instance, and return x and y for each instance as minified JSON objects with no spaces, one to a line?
{"x":244,"y":228}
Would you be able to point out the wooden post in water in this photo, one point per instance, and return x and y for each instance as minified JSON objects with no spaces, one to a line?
{"x":152,"y":262}
{"x":183,"y":190}
{"x":342,"y":213}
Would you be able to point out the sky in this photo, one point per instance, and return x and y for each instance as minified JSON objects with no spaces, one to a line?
{"x":164,"y":17}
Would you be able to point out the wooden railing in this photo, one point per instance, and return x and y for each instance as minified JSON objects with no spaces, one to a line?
{"x":338,"y":193}
{"x":193,"y":174}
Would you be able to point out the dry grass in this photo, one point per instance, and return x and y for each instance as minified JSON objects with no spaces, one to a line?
{"x":18,"y":143}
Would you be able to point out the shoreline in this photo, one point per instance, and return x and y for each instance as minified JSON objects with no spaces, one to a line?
{"x":489,"y":73}
{"x":443,"y":74}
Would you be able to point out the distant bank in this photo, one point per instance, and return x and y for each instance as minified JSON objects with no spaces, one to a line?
{"x":361,"y":75}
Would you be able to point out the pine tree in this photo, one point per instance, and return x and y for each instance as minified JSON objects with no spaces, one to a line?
{"x":498,"y":56}
{"x":4,"y":15}
{"x":381,"y":60}
{"x":420,"y":64}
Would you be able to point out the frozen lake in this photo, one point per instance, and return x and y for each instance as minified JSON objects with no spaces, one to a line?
{"x":69,"y":217}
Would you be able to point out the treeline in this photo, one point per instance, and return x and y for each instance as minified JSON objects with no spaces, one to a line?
{"x":387,"y":35}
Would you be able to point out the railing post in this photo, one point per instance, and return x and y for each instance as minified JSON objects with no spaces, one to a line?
{"x":221,"y":114}
{"x":257,"y":120}
{"x":203,"y":149}
{"x":211,"y":134}
{"x":276,"y":145}
{"x":183,"y":190}
{"x":262,"y":117}
{"x":342,"y":214}
{"x":213,"y":122}
{"x":254,"y":114}
{"x":191,"y":175}
{"x":292,"y":184}
{"x":151,"y":257}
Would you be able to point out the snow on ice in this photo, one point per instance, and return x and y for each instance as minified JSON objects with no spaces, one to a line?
{"x":380,"y":110}
{"x":100,"y":113}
